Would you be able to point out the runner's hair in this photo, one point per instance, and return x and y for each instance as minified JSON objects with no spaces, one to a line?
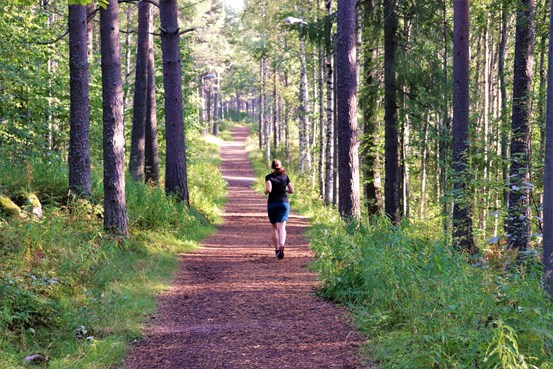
{"x":277,"y":167}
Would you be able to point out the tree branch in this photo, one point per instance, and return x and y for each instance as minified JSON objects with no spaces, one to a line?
{"x":52,"y":41}
{"x":187,"y":30}
{"x":153,"y":2}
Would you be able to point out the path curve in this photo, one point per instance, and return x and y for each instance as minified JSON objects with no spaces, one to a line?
{"x":234,"y":305}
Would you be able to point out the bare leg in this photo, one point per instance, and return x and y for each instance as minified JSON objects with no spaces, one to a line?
{"x":274,"y":236}
{"x":281,"y":233}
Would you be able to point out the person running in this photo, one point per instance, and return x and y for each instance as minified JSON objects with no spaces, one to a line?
{"x":277,"y":184}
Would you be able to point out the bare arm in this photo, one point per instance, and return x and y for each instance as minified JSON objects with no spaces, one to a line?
{"x":268,"y":187}
{"x":290,"y":188}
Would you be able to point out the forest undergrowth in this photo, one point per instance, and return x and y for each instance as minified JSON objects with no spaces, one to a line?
{"x":74,"y":294}
{"x":420,"y":303}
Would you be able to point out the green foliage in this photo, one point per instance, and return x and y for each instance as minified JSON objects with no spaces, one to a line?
{"x":77,"y":295}
{"x":424,"y":305}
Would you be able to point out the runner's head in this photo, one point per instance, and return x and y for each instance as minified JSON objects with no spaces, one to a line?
{"x":277,"y":167}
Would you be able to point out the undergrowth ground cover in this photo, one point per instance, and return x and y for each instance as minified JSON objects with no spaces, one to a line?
{"x":421,"y":304}
{"x":71,"y":292}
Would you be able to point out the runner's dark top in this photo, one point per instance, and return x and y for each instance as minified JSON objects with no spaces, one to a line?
{"x":278,"y":184}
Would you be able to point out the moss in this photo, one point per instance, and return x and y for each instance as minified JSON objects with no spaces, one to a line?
{"x":8,"y":207}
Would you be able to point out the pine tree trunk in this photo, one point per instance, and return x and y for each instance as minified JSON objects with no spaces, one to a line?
{"x":151,"y":155}
{"x":519,"y":202}
{"x":265,"y":117}
{"x":424,"y":161}
{"x":368,"y":103}
{"x":262,"y":66}
{"x":275,"y":111}
{"x":391,"y":184}
{"x":462,"y":221}
{"x":115,"y":213}
{"x":547,"y":256}
{"x":216,"y":110}
{"x":176,"y":181}
{"x":329,"y":144}
{"x":136,"y":161}
{"x":128,"y":41}
{"x":80,"y":182}
{"x":305,"y":154}
{"x":321,"y":84}
{"x":504,"y":119}
{"x":90,"y":7}
{"x":349,"y":205}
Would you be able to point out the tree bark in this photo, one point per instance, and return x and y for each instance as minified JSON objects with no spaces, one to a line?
{"x":368,"y":103}
{"x":262,"y":66}
{"x":80,"y":182}
{"x":503,"y":89}
{"x":266,"y":124}
{"x":90,"y":7}
{"x":462,"y":222}
{"x":391,"y":184}
{"x":547,"y":256}
{"x":136,"y":162}
{"x":176,"y":181}
{"x":115,"y":213}
{"x":216,"y":110}
{"x":305,"y":153}
{"x":329,"y":144}
{"x":151,"y":155}
{"x":349,"y":205}
{"x":519,"y":202}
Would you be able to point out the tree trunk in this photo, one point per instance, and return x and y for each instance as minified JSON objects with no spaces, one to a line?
{"x":349,"y":205}
{"x":519,"y":203}
{"x":136,"y":161}
{"x":151,"y":155}
{"x":262,"y":67}
{"x":305,"y":154}
{"x":329,"y":145}
{"x":115,"y":213}
{"x":424,"y":161}
{"x":79,"y":145}
{"x":462,"y":222}
{"x":321,"y":65}
{"x":368,"y":103}
{"x":504,"y":119}
{"x":391,"y":184}
{"x":127,"y":61}
{"x":216,"y":110}
{"x":547,"y":256}
{"x":90,"y":7}
{"x":265,"y":117}
{"x":176,"y":181}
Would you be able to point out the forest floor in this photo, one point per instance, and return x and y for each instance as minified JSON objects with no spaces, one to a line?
{"x":234,"y":305}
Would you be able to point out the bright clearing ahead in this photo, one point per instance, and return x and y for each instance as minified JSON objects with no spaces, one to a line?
{"x":236,"y":4}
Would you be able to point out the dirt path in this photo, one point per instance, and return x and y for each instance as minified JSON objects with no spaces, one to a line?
{"x":234,"y":305}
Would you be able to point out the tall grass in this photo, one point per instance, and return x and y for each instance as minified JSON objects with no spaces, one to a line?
{"x":421,"y":304}
{"x":77,"y":295}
